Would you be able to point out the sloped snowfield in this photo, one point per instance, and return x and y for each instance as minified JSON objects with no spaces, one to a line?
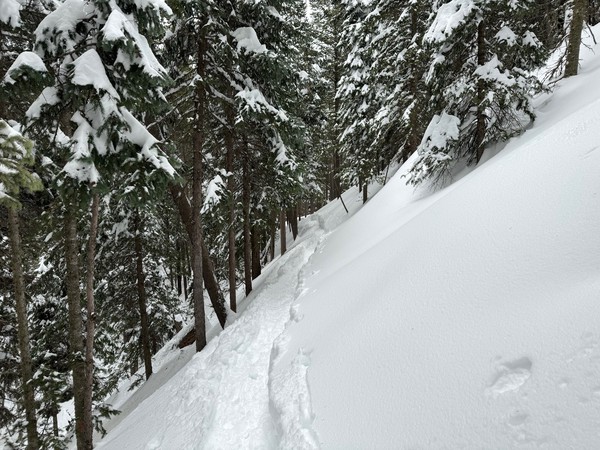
{"x":469,"y":318}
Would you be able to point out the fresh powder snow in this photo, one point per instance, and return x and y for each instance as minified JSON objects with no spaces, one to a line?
{"x":464,"y":318}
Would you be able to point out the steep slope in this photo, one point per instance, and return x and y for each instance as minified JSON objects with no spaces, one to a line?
{"x":468,"y":318}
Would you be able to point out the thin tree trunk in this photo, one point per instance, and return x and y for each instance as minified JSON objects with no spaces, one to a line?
{"x":90,"y":324}
{"x":272,"y":232}
{"x":246,"y":186}
{"x":256,"y":266}
{"x":480,"y":131}
{"x":22,"y":330}
{"x":210,"y":281}
{"x":580,"y":8}
{"x":292,"y":218}
{"x":84,"y":441}
{"x":336,"y":189}
{"x":141,"y":289}
{"x":198,"y":292}
{"x":229,"y":160}
{"x":55,"y":423}
{"x":365,"y":192}
{"x":282,"y":234}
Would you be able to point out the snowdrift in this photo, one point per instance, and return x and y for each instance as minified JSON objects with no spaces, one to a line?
{"x":469,"y":318}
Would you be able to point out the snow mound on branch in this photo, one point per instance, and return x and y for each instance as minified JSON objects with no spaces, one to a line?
{"x":88,"y":70}
{"x":9,"y":12}
{"x":25,"y":59}
{"x":450,"y":16}
{"x":61,"y":23}
{"x":248,"y":40}
{"x":119,"y":27}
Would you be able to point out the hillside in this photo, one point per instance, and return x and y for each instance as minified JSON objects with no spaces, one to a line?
{"x":467,"y":318}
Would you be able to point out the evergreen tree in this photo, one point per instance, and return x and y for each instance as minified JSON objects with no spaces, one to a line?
{"x":15,"y":156}
{"x":480,"y":79}
{"x":103,"y":69}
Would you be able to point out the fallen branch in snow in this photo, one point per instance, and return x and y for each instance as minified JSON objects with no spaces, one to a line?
{"x":342,"y":200}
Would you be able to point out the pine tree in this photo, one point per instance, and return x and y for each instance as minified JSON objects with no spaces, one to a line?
{"x":357,"y":94}
{"x":15,"y":156}
{"x":101,"y":64}
{"x":481,"y":81}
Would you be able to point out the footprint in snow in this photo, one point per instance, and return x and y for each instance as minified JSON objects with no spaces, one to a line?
{"x":509,"y":376}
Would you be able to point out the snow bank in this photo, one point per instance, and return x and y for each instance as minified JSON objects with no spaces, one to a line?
{"x":466,"y":319}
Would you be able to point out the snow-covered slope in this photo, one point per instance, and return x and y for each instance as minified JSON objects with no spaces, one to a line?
{"x":469,"y":318}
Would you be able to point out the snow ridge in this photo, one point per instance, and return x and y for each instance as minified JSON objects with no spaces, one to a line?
{"x":289,"y":392}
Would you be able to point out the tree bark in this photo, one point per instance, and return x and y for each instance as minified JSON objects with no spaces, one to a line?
{"x":229,"y":167}
{"x":480,"y":130}
{"x":292,"y":218}
{"x":272,"y":232}
{"x":84,"y":440}
{"x":26,"y":365}
{"x":256,"y":266}
{"x":282,"y":234}
{"x":212,"y":287}
{"x":198,"y":292}
{"x":90,"y":324}
{"x":580,"y":8}
{"x":246,"y":187}
{"x":142,"y":303}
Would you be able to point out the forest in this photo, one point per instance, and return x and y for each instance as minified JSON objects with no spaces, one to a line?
{"x":156,"y":155}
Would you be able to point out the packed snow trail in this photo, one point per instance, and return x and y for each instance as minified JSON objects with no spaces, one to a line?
{"x":221,"y":399}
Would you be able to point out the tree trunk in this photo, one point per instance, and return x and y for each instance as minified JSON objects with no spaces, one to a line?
{"x":246,"y":186}
{"x":90,"y":325}
{"x":229,"y":167}
{"x":272,"y":232}
{"x":22,"y":330}
{"x":292,"y":218}
{"x":282,"y":235}
{"x":84,"y":440}
{"x":198,"y":292}
{"x":480,"y":130}
{"x":365,"y":192}
{"x":578,"y":18}
{"x":212,"y":287}
{"x":336,"y":189}
{"x":256,"y":266}
{"x":141,"y":289}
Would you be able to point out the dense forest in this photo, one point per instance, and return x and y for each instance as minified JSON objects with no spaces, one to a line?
{"x":155,"y":155}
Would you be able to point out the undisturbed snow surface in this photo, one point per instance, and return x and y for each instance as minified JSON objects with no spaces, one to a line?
{"x":469,"y":318}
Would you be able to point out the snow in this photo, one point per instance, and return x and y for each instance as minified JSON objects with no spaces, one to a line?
{"x":81,"y":166}
{"x":139,"y":135}
{"x":506,"y":35}
{"x":61,"y":23}
{"x":88,"y":70}
{"x":25,"y":59}
{"x":49,"y":96}
{"x":248,"y":40}
{"x":490,"y":71}
{"x":214,"y":192}
{"x":9,"y":12}
{"x":440,"y":131}
{"x":255,"y":101}
{"x":158,"y":5}
{"x":449,"y":16}
{"x":119,"y":27}
{"x":465,"y":318}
